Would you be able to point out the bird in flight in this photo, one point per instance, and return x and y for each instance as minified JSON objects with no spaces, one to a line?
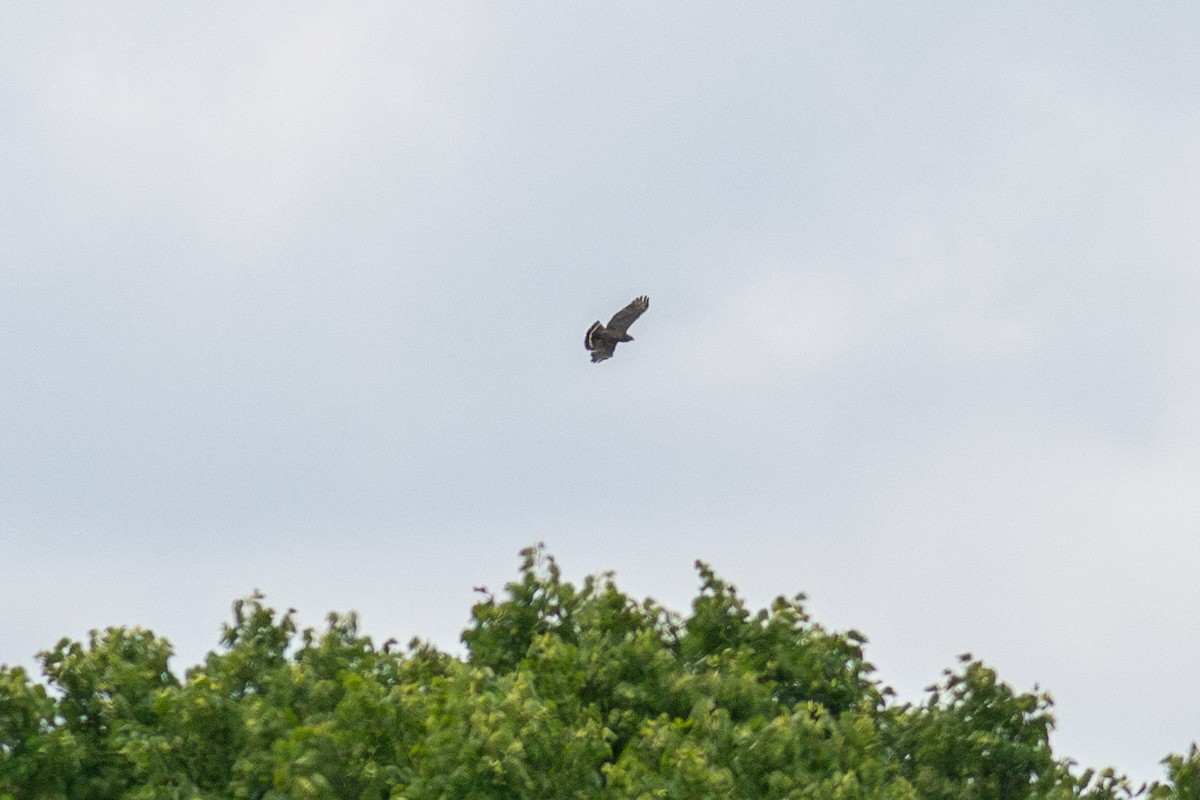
{"x":602,"y":339}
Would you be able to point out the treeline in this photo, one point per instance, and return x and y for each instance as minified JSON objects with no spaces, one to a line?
{"x":568,"y":692}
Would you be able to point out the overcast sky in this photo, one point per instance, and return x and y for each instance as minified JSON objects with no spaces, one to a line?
{"x":292,"y":297}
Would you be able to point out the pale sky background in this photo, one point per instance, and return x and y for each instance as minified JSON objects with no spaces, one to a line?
{"x":292,"y":297}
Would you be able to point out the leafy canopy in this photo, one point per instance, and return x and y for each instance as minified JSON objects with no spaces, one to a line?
{"x":568,"y":691}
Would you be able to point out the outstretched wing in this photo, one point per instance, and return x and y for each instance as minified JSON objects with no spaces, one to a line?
{"x":626,"y":316}
{"x":602,"y":349}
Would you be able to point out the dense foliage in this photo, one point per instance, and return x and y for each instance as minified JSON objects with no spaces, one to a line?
{"x":568,"y":692}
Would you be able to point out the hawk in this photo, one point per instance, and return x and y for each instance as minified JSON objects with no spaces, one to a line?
{"x":602,"y":339}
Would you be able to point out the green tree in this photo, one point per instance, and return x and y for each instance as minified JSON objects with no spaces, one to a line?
{"x":571,"y":692}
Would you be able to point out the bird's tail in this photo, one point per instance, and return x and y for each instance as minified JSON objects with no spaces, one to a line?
{"x":587,"y":339}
